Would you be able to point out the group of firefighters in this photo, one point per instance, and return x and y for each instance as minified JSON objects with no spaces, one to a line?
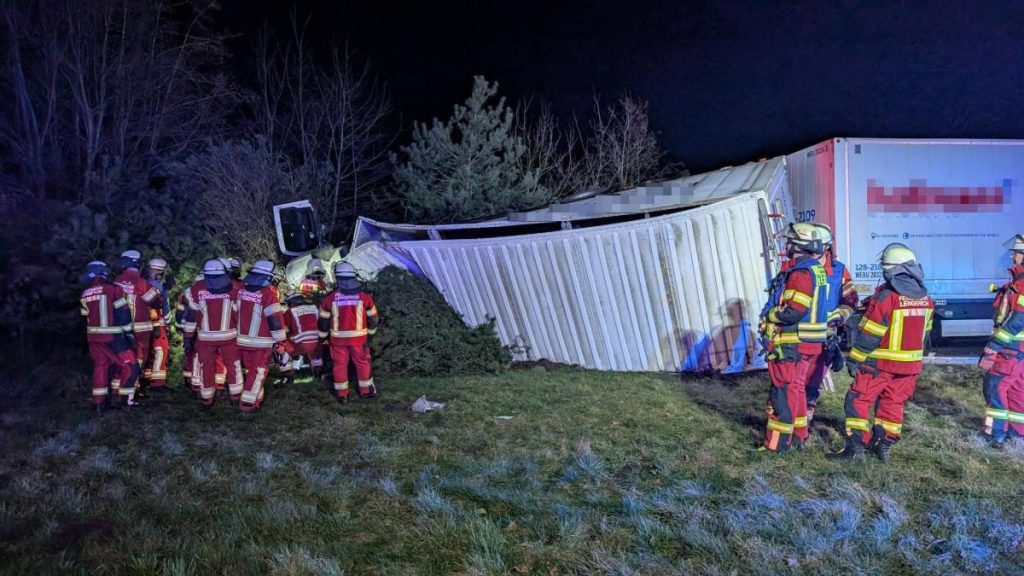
{"x":811,"y":299}
{"x":234,"y":329}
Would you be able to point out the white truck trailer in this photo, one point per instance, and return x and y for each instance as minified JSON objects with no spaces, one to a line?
{"x":954,"y":202}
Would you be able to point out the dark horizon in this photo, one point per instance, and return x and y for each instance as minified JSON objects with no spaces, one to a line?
{"x":728,"y":82}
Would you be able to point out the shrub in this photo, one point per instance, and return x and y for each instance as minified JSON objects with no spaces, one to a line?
{"x":421,"y":334}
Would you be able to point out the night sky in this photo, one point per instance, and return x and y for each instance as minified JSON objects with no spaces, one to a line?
{"x":727,"y":81}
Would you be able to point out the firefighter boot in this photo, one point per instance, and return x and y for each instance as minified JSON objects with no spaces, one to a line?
{"x":882,"y":449}
{"x":342,"y":400}
{"x":854,"y":450}
{"x":100,"y":407}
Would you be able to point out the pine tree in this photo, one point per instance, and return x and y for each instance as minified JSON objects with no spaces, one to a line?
{"x":468,"y":167}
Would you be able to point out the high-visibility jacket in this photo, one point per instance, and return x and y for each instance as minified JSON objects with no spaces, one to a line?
{"x":260,"y":324}
{"x":212,"y":317}
{"x":160,"y":316}
{"x":802,"y":313}
{"x":1009,"y":321}
{"x":842,"y":297}
{"x":892,"y":333}
{"x":141,"y":297}
{"x":347,"y":318}
{"x":310,"y":287}
{"x":302,"y":321}
{"x":105,"y":310}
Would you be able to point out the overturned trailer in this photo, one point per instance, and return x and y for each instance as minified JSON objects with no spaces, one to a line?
{"x":664,"y":277}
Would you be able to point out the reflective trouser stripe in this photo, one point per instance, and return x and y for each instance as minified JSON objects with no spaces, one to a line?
{"x":856,"y":424}
{"x":800,"y":422}
{"x":1016,"y":417}
{"x":339,"y":386}
{"x":893,"y":428}
{"x":780,"y":426}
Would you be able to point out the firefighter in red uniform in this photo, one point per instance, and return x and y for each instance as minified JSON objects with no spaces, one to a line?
{"x":211,"y":328}
{"x":109,"y":333}
{"x":260,"y":330}
{"x":842,"y":300}
{"x":160,"y":344}
{"x":189,"y":361}
{"x":302,"y":319}
{"x":1003,"y":357}
{"x":347,"y":316}
{"x":886,"y":357}
{"x":141,"y":297}
{"x":796,"y":327}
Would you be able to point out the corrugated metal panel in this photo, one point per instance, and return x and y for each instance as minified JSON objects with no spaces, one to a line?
{"x":675,"y":292}
{"x":685,"y":192}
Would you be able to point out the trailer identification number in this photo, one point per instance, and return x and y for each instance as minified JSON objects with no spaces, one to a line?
{"x":805,"y":215}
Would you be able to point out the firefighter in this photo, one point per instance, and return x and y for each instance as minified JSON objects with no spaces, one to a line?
{"x":110,"y":336}
{"x":160,"y":345}
{"x":302,"y":318}
{"x":141,"y":297}
{"x":841,"y":301}
{"x":211,"y":329}
{"x":347,"y":316}
{"x":796,"y":327}
{"x":234,"y":269}
{"x":314,"y":286}
{"x":261,"y":330}
{"x":886,"y":356}
{"x":189,"y":361}
{"x":1003,"y":357}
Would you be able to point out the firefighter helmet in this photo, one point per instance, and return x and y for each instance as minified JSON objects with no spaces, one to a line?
{"x":1015,"y":244}
{"x":131,"y":259}
{"x":344,"y":270}
{"x":826,"y":232}
{"x":96,"y":269}
{"x":157,"y":264}
{"x":897,"y":255}
{"x":806,"y":237}
{"x":214,"y":266}
{"x":262,"y":267}
{"x":315,"y":267}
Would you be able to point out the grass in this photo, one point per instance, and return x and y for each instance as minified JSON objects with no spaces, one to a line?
{"x":594,"y":473}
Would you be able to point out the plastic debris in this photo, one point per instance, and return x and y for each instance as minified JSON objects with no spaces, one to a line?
{"x":422,"y":405}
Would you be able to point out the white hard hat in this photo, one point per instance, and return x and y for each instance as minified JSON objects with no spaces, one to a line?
{"x":234,"y":263}
{"x":157,"y":264}
{"x":225,"y":262}
{"x":130,"y":259}
{"x":826,"y":232}
{"x":214,"y":266}
{"x":264,"y":267}
{"x":896,"y":254}
{"x":314,"y":265}
{"x":344,"y":270}
{"x":1015,"y":244}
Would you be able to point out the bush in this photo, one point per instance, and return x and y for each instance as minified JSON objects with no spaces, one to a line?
{"x":421,"y":334}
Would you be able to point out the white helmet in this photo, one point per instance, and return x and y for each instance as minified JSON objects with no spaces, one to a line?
{"x":157,"y":264}
{"x":1015,"y":244}
{"x":806,"y":236}
{"x":214,"y":266}
{"x":264,"y":267}
{"x":897,"y":254}
{"x":344,"y":270}
{"x":131,"y":259}
{"x":826,"y":232}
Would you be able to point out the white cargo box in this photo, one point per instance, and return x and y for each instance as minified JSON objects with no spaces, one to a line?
{"x":665,"y":277}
